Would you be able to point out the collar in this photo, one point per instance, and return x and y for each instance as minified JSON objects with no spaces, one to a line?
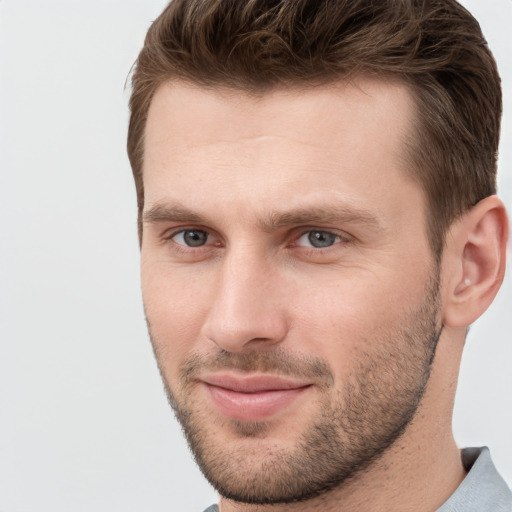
{"x":483,"y":489}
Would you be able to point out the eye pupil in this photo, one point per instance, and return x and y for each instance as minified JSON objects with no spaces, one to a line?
{"x":195,"y":238}
{"x":321,"y":238}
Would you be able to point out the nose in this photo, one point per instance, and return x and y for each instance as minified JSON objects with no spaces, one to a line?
{"x":248,"y":309}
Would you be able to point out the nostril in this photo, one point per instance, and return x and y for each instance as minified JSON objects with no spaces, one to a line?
{"x":235,"y":333}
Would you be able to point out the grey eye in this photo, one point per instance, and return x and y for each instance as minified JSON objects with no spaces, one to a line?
{"x":191,"y":237}
{"x":318,"y":239}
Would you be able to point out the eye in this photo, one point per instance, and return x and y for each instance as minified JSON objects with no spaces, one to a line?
{"x":318,"y":239}
{"x":191,"y":237}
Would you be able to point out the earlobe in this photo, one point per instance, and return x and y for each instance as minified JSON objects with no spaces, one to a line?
{"x":475,"y":263}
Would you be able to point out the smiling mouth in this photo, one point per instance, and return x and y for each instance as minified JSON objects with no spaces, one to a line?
{"x":252,"y":398}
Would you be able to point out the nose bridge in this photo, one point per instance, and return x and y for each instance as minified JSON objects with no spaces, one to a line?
{"x":246,"y":308}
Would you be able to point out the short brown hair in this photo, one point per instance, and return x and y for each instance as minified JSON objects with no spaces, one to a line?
{"x":434,"y":46}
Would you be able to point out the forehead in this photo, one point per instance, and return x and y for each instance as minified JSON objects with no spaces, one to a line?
{"x":346,"y":138}
{"x":193,"y":113}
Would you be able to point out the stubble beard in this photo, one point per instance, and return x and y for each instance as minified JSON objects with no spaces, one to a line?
{"x":352,"y":430}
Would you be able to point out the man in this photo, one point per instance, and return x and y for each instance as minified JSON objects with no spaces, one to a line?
{"x":318,"y":230}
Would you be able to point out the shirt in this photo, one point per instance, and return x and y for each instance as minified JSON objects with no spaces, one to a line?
{"x":483,"y":489}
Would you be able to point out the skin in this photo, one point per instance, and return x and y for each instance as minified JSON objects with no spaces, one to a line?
{"x":257,"y":174}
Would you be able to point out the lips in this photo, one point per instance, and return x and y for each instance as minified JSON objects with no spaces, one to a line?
{"x":252,"y":398}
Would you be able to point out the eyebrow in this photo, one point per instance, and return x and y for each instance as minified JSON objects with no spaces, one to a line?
{"x":328,"y":214}
{"x":170,"y":213}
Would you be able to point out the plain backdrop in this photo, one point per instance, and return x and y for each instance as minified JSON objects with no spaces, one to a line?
{"x":84,"y":423}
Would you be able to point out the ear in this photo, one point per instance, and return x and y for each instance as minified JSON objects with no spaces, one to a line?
{"x":474,"y":262}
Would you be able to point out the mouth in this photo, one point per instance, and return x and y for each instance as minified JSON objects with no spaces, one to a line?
{"x":252,"y":397}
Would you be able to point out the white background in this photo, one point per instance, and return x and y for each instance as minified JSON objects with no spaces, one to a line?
{"x":84,"y":424}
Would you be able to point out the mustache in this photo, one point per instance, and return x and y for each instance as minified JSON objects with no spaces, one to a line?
{"x":271,"y":362}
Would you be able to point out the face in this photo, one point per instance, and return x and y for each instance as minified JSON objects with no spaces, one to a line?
{"x":288,"y":284}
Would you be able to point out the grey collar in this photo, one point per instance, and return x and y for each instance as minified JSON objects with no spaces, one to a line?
{"x":483,"y":489}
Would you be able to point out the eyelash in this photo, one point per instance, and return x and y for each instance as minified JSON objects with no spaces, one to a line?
{"x":186,"y":249}
{"x":326,"y":233}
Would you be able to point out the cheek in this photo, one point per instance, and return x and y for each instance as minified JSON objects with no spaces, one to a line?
{"x":352,"y":318}
{"x":176,"y":305}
